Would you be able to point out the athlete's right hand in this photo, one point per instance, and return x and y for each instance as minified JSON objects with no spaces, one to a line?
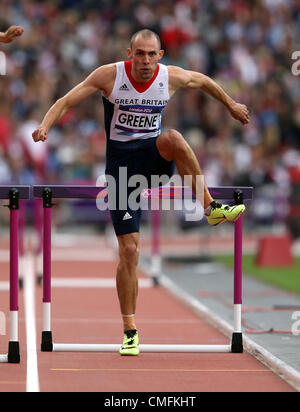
{"x":40,"y":134}
{"x":12,"y":32}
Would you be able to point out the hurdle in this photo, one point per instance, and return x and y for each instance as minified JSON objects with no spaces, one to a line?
{"x":235,"y":195}
{"x":50,"y":192}
{"x":13,"y":194}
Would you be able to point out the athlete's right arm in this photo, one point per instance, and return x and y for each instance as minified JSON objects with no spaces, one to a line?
{"x":101,"y":79}
{"x":11,"y":33}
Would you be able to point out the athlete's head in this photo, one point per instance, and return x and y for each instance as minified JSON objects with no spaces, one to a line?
{"x":145,"y":52}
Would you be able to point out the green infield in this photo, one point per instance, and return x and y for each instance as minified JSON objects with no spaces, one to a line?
{"x":287,"y":278}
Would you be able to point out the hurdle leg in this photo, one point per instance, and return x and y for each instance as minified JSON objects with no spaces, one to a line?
{"x":22,"y":218}
{"x":47,"y":344}
{"x":237,"y":337}
{"x":38,"y":226}
{"x":14,"y":347}
{"x":156,"y":257}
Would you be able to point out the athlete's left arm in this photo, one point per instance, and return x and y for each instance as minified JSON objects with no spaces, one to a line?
{"x":180,"y":78}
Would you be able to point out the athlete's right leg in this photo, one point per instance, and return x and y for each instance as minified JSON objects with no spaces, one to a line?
{"x":126,"y":225}
{"x":127,"y":280}
{"x":126,"y":222}
{"x":127,"y":287}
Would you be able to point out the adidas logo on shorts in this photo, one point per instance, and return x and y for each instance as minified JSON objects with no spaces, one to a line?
{"x":124,"y":87}
{"x":127,"y":216}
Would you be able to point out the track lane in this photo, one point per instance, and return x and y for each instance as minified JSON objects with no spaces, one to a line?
{"x":91,"y":315}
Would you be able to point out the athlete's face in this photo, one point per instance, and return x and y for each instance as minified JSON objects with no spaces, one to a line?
{"x":145,"y":54}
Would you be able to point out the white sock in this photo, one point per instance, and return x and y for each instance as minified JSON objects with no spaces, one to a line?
{"x":207,"y":211}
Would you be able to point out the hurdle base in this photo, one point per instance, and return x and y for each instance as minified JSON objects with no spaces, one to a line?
{"x":47,"y":344}
{"x":13,"y":352}
{"x":39,"y":280}
{"x":155,"y":281}
{"x":237,"y":342}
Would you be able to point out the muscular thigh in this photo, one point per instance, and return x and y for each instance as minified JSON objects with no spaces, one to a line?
{"x":156,"y":165}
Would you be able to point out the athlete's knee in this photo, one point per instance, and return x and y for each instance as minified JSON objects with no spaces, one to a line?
{"x":171,"y":143}
{"x":172,"y":137}
{"x":129,"y":252}
{"x":179,"y":145}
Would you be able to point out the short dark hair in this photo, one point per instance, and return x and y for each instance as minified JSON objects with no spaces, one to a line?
{"x":146,"y":34}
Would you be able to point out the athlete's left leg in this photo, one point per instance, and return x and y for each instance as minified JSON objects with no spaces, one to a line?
{"x":172,"y":146}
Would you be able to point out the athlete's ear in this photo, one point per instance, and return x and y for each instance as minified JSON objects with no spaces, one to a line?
{"x":161,"y":54}
{"x":129,"y":53}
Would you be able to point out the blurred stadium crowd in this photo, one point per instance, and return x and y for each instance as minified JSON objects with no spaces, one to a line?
{"x":245,"y":45}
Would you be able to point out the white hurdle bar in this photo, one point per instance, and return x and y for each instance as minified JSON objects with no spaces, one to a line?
{"x":73,"y":347}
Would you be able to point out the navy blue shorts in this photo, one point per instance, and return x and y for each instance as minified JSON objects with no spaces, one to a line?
{"x":139,"y":157}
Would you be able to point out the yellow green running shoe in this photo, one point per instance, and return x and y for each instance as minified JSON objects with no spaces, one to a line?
{"x":130,"y":346}
{"x":220,"y":213}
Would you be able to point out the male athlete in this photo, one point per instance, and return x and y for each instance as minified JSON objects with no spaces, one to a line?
{"x":11,"y":33}
{"x":134,"y":94}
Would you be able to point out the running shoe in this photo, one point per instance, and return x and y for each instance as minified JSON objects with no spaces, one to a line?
{"x":220,"y":213}
{"x":130,"y":346}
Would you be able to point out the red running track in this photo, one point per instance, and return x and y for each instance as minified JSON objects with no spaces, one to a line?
{"x":91,"y":315}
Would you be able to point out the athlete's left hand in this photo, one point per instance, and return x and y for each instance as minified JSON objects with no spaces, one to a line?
{"x":40,"y":134}
{"x":239,"y":112}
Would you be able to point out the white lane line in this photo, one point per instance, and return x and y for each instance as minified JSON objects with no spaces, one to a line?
{"x":4,"y":286}
{"x":59,"y":255}
{"x":116,"y":320}
{"x":83,"y":255}
{"x":4,"y":256}
{"x":93,"y":283}
{"x":32,"y":381}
